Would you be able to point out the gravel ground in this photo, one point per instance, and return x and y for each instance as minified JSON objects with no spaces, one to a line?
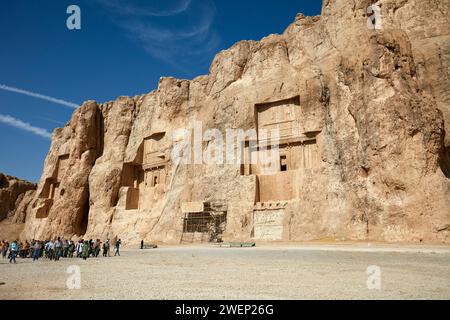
{"x":269,"y":272}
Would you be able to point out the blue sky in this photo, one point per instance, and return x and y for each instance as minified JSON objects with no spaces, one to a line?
{"x":123,"y":48}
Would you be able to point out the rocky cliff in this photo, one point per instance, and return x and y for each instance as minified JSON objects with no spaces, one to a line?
{"x":15,"y":198}
{"x":365,"y":156}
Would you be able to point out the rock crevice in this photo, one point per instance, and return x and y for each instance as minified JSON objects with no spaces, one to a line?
{"x":365,"y":155}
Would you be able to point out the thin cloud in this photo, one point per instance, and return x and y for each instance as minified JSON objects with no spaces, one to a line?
{"x":129,"y":9}
{"x":192,"y":39}
{"x":19,"y":124}
{"x":39,"y":96}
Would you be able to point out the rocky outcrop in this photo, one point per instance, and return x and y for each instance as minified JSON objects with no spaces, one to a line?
{"x":62,"y":197}
{"x":364,"y":154}
{"x":15,"y":197}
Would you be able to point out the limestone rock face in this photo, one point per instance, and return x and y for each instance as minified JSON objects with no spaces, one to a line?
{"x":62,"y":198}
{"x":15,"y":196}
{"x":363,"y":154}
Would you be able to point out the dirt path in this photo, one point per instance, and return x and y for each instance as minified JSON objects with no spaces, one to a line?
{"x":267,"y":272}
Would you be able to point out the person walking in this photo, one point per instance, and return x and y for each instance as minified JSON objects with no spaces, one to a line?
{"x":47,"y":249}
{"x":97,"y":248}
{"x":142,"y":244}
{"x":117,"y":245}
{"x":104,"y":249}
{"x":91,"y":247}
{"x":14,"y":249}
{"x":86,"y":248}
{"x":5,"y":250}
{"x":65,"y":248}
{"x":51,"y":250}
{"x":36,"y":250}
{"x":77,"y":246}
{"x":17,"y":250}
{"x":108,"y":247}
{"x":80,"y":248}
{"x":58,"y":249}
{"x":71,"y":249}
{"x":25,"y":249}
{"x":2,"y":247}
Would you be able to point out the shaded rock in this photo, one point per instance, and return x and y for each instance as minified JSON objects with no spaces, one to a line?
{"x":364,"y":114}
{"x":14,"y":193}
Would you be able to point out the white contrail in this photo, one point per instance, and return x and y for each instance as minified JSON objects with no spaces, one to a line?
{"x":39,"y":96}
{"x":6,"y":119}
{"x":60,"y":123}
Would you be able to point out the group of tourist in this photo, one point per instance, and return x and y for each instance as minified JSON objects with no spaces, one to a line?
{"x":56,"y":249}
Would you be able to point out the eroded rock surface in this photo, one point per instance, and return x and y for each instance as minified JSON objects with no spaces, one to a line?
{"x":363,"y":155}
{"x":15,"y":197}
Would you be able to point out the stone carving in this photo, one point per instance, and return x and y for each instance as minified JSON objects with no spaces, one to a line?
{"x":364,"y":153}
{"x":50,"y":191}
{"x":145,"y":179}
